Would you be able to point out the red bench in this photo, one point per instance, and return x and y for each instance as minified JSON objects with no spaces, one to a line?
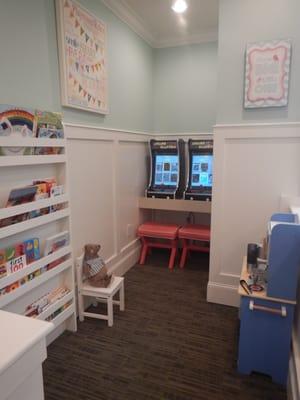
{"x":151,"y":234}
{"x":191,"y":233}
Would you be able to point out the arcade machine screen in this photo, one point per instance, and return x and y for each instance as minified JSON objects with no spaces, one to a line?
{"x":166,"y":170}
{"x":202,"y":171}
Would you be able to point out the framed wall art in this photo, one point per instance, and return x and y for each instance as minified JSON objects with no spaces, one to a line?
{"x":267,"y":71}
{"x":82,"y":58}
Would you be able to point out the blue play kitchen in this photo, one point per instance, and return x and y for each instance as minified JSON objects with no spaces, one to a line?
{"x":268,"y":290}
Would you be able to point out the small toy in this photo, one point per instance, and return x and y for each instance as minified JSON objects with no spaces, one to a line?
{"x":94,"y":269}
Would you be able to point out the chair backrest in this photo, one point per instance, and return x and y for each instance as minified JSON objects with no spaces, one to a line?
{"x":79,"y":261}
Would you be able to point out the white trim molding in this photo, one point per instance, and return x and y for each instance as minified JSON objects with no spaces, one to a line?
{"x":205,"y":37}
{"x":223,"y":294}
{"x":126,"y":14}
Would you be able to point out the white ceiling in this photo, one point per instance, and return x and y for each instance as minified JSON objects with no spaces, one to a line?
{"x":155,"y":21}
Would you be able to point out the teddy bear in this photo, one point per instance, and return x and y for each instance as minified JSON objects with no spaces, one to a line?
{"x":94,"y":269}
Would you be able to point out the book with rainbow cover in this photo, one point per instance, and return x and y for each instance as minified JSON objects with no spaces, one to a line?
{"x":16,"y":122}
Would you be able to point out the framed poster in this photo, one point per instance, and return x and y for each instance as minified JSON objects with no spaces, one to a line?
{"x":267,"y":71}
{"x":82,"y":58}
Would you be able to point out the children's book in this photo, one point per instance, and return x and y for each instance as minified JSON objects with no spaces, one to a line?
{"x":56,"y":191}
{"x":49,"y":125}
{"x":32,"y":250}
{"x":16,"y":123}
{"x":16,"y":264}
{"x":21,"y":195}
{"x":56,"y":242}
{"x":14,"y":251}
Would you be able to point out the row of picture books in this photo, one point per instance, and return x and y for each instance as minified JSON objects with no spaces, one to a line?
{"x":38,"y":190}
{"x":18,"y":122}
{"x":21,"y":255}
{"x":43,"y":303}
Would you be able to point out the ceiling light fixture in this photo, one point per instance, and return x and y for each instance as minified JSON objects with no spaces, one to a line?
{"x":179,"y":6}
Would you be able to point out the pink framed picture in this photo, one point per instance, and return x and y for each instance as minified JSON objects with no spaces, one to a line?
{"x":267,"y":71}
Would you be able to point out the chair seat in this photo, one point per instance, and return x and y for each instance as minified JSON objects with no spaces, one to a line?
{"x":106,"y":292}
{"x":157,"y":230}
{"x":194,"y":232}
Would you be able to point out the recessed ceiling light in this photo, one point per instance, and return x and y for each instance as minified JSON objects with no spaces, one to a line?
{"x":179,"y":6}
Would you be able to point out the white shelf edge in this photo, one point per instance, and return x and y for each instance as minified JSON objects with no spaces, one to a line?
{"x":33,"y":223}
{"x":64,"y":315}
{"x":12,"y":161}
{"x":31,"y":142}
{"x":55,"y":306}
{"x":9,"y":279}
{"x":46,"y":276}
{"x":7,"y":212}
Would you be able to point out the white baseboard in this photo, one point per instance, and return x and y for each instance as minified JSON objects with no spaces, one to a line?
{"x":223,"y":294}
{"x":127,"y":261}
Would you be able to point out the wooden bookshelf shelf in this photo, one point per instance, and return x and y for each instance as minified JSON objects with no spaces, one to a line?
{"x":31,"y":142}
{"x":33,"y":205}
{"x":33,"y":223}
{"x":67,"y":313}
{"x":27,"y":168}
{"x":20,"y":291}
{"x":12,"y":161}
{"x":8,"y":280}
{"x":55,"y":306}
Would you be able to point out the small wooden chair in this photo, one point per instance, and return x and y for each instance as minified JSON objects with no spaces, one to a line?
{"x":191,"y":233}
{"x":149,"y":232}
{"x":104,"y":295}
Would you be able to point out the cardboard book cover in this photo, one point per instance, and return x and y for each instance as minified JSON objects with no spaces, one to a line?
{"x":49,"y":125}
{"x":55,"y":243}
{"x":16,"y":122}
{"x":32,"y":250}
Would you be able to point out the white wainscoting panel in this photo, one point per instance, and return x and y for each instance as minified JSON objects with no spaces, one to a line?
{"x":107,"y":175}
{"x":253,"y":167}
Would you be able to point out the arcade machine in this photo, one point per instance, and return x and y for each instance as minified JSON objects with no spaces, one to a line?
{"x":200,"y":173}
{"x":167,"y":169}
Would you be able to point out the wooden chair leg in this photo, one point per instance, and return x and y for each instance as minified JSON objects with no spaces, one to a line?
{"x":144,"y":251}
{"x":122,"y":298}
{"x":184,"y":253}
{"x":110,"y":311}
{"x":80,"y":307}
{"x":173,"y":254}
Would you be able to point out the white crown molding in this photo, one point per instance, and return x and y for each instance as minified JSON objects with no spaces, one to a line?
{"x":187,"y":40}
{"x":127,"y":15}
{"x":130,"y":17}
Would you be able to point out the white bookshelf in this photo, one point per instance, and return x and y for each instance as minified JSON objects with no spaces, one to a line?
{"x":22,"y":170}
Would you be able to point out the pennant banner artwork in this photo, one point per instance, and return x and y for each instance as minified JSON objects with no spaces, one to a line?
{"x":82,"y":55}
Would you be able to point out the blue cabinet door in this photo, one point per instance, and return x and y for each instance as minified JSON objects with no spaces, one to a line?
{"x":265,"y":338}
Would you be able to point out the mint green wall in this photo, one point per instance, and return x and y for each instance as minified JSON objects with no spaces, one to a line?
{"x":185,"y":87}
{"x":29,"y":65}
{"x":249,"y":21}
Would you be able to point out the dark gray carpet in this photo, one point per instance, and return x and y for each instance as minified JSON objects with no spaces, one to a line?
{"x":169,"y":344}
